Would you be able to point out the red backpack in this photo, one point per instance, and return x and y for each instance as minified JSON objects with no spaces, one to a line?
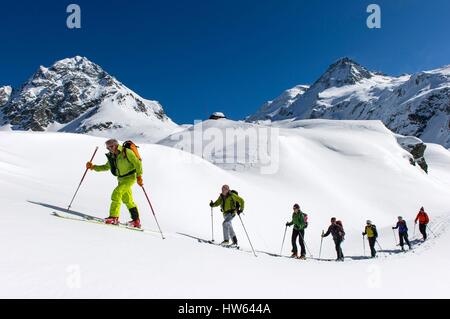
{"x":338,"y":222}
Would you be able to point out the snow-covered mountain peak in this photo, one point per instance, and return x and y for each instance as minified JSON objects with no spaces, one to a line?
{"x":416,"y":105}
{"x":345,"y":71}
{"x":77,"y":95}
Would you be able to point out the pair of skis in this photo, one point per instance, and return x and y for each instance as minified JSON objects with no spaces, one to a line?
{"x":232,"y":246}
{"x":101,"y":221}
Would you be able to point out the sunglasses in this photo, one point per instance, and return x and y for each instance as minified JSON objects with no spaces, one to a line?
{"x":110,"y":147}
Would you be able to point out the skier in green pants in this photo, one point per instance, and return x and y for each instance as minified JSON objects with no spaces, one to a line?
{"x":127,"y":166}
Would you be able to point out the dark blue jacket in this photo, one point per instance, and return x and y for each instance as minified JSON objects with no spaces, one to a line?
{"x":402,"y":228}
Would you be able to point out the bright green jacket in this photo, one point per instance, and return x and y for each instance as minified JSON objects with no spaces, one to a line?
{"x":125,"y":164}
{"x":298,"y":220}
{"x":228,"y":203}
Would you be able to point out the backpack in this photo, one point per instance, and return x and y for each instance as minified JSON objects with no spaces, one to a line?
{"x":305,"y":219}
{"x":341,"y":233}
{"x":130,"y":145}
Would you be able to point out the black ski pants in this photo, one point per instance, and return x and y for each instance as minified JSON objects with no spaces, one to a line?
{"x":339,"y":252}
{"x":301,"y":239}
{"x":372,"y":242}
{"x":403,"y":239}
{"x":423,"y":230}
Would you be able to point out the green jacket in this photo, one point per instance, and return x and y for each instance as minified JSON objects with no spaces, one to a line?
{"x":300,"y":221}
{"x":228,"y":203}
{"x":125,"y":164}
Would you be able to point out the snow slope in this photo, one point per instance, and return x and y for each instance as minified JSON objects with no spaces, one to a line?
{"x":353,"y":170}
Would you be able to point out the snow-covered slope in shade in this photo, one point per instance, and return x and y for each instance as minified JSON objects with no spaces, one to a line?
{"x":417,"y":105}
{"x":352,"y":170}
{"x":78,"y":96}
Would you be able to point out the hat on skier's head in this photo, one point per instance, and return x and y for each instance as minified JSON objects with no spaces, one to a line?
{"x":400,"y":217}
{"x":296,"y":206}
{"x":369,"y":222}
{"x":422,"y":209}
{"x":333,"y":219}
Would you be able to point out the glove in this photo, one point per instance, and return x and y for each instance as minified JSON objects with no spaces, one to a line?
{"x":288,"y":224}
{"x":211,"y":204}
{"x":90,"y":166}
{"x":140,"y":181}
{"x":239,"y":211}
{"x":364,"y":234}
{"x":393,"y":227}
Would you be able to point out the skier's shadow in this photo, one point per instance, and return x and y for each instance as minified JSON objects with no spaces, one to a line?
{"x":414,"y":243}
{"x":62,"y":209}
{"x":358,"y":257}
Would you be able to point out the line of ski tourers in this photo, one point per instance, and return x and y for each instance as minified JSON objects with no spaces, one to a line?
{"x":232,"y":204}
{"x":125,"y":162}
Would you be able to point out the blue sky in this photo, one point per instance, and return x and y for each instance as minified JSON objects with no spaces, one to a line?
{"x":200,"y":56}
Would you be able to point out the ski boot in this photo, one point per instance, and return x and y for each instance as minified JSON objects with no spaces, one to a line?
{"x":134,"y":224}
{"x":294,"y":255}
{"x":235,"y":241}
{"x":301,"y":257}
{"x":225,"y":243}
{"x":112,"y":221}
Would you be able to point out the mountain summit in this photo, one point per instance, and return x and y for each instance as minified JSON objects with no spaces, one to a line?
{"x":417,"y":104}
{"x":76,"y":95}
{"x":343,"y":72}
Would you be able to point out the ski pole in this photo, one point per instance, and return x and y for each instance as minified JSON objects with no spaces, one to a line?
{"x":154,"y":215}
{"x":364,"y":245}
{"x":395,"y":237}
{"x":304,"y":242}
{"x":247,"y":235}
{"x":321,"y":241}
{"x":429,"y":228}
{"x":284,"y":237}
{"x":212,"y":225}
{"x":381,"y":249}
{"x":82,"y":179}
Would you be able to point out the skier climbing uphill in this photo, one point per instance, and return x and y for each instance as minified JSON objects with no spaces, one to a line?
{"x":126,"y":164}
{"x":337,"y":231}
{"x":423,"y":219}
{"x":300,"y":222}
{"x":372,"y":235}
{"x":230,"y":204}
{"x":402,"y":232}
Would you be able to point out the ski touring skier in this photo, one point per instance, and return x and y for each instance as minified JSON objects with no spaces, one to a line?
{"x":372,"y":235}
{"x":230,"y":204}
{"x":300,"y":222}
{"x":337,"y":231}
{"x":423,"y":219}
{"x":402,"y":232}
{"x":124,"y":163}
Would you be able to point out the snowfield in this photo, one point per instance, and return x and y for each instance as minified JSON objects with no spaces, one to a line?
{"x":353,"y":170}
